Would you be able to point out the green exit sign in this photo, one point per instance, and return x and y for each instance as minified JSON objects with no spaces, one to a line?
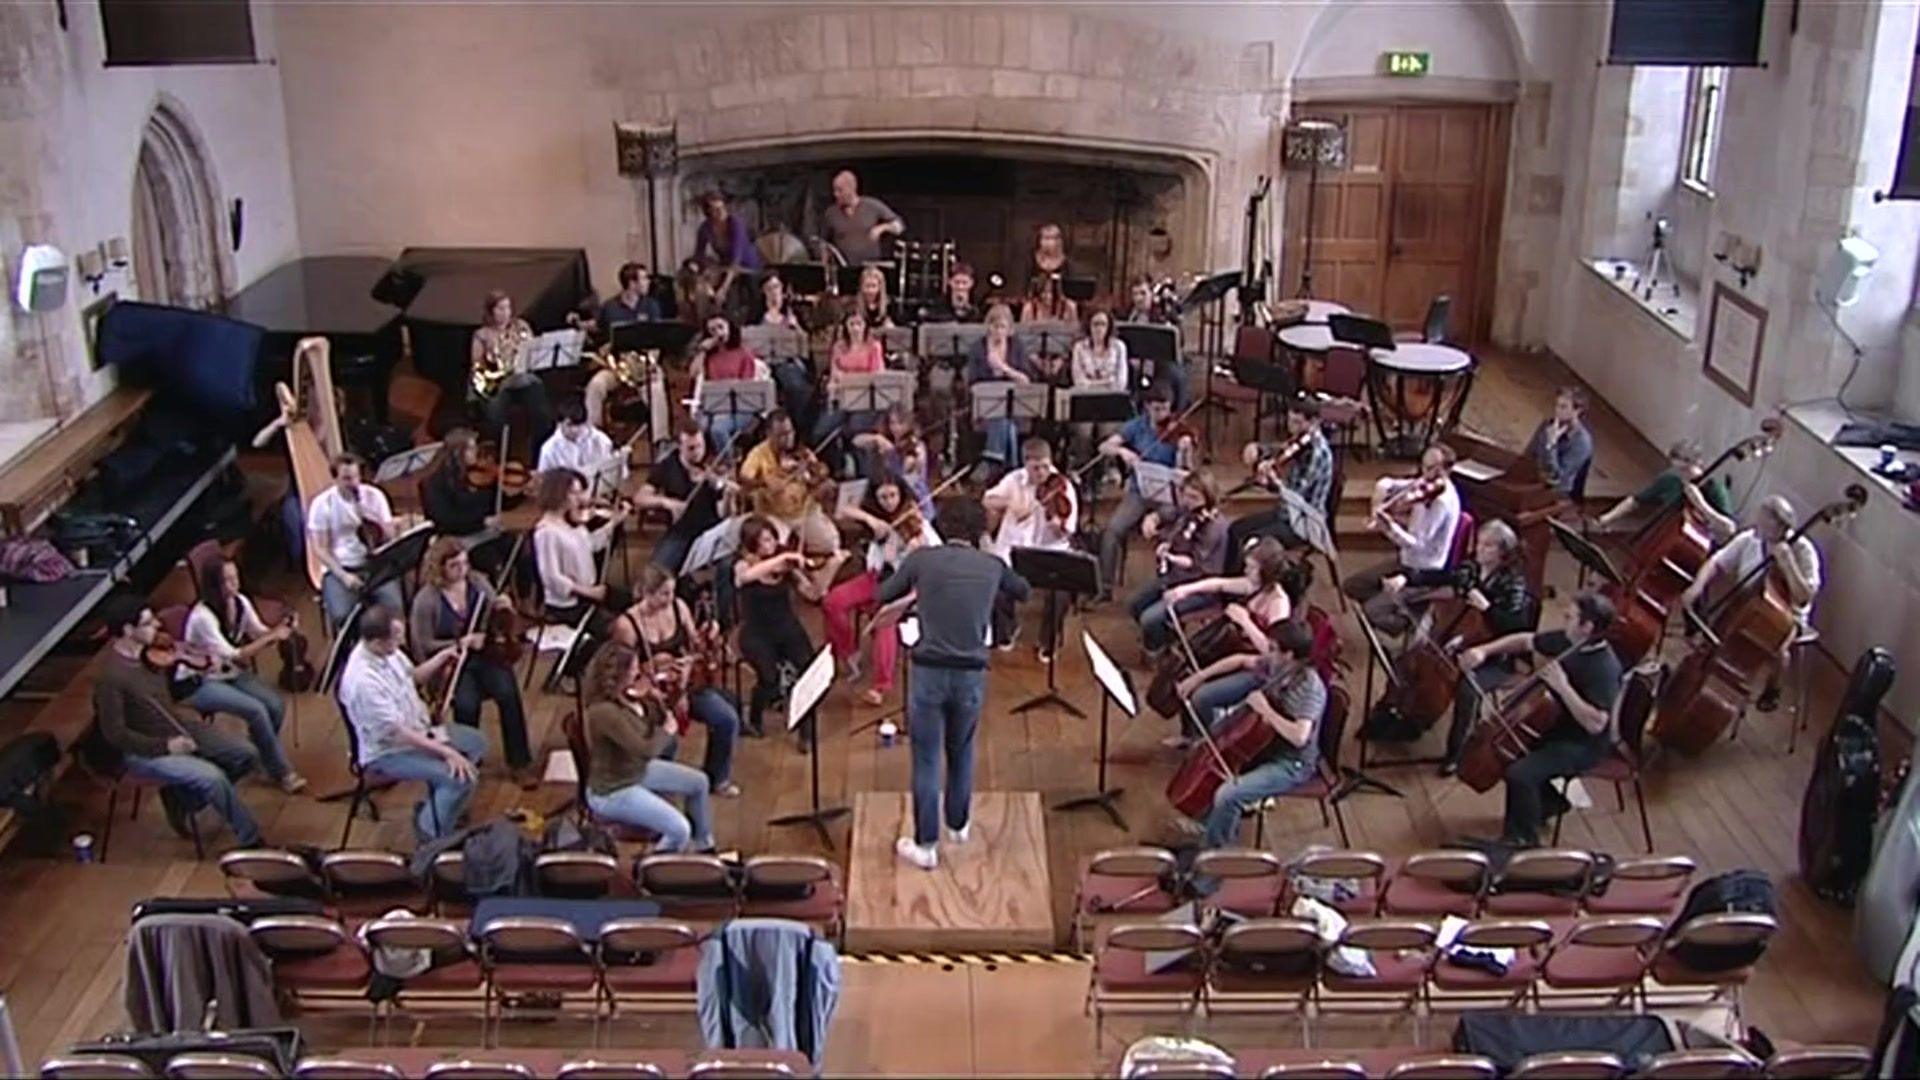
{"x":1410,"y":64}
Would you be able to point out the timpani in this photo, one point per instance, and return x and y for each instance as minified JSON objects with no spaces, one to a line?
{"x":1417,"y":391}
{"x":1307,"y":344}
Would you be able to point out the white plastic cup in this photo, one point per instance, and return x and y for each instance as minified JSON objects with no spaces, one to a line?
{"x":83,"y":847}
{"x":888,"y":730}
{"x":1888,"y":452}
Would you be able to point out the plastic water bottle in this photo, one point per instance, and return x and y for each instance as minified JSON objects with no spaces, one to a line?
{"x":887,"y":732}
{"x":83,"y":847}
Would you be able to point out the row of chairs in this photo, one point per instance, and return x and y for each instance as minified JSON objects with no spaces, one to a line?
{"x":360,"y":884}
{"x":205,"y":1066}
{"x":1710,"y":1063}
{"x":1541,"y":883}
{"x":1272,"y":967}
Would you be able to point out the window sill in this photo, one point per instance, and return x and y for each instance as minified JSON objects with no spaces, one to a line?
{"x":1696,"y":188}
{"x":1677,"y":312}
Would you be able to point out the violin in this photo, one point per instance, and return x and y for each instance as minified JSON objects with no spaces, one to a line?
{"x":1055,"y":498}
{"x":297,"y":672}
{"x":1175,"y":428}
{"x":1181,"y":542}
{"x":164,"y":654}
{"x":511,"y":479}
{"x":1420,"y":492}
{"x":1281,"y":457}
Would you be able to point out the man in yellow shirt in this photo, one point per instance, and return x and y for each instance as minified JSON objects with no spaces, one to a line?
{"x":781,"y":486}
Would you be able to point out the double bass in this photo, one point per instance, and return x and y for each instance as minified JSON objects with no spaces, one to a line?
{"x":1740,"y":640}
{"x":1667,"y":555}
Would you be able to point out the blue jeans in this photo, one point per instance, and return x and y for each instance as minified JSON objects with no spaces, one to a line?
{"x":716,"y":709}
{"x":1133,"y":509}
{"x":1155,"y":616}
{"x":338,"y":600}
{"x":1223,"y":693}
{"x":723,"y":427}
{"x":439,"y":812}
{"x":1249,"y":789}
{"x":205,"y":777}
{"x":943,"y":712}
{"x":1003,"y":442}
{"x":644,"y":806}
{"x":254,"y":702}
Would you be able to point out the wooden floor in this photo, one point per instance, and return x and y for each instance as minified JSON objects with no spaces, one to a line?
{"x":1736,"y":806}
{"x":992,"y":892}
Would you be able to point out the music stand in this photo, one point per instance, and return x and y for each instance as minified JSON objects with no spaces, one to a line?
{"x":1158,"y":484}
{"x":1116,"y":687}
{"x":876,"y":392}
{"x":406,"y":462}
{"x":1092,"y":405}
{"x":847,"y":280}
{"x":1352,"y":780}
{"x":772,"y":343}
{"x":1585,"y":552}
{"x":1072,"y":573}
{"x":1079,"y":289}
{"x":1052,"y":337}
{"x":803,"y":700}
{"x":1004,"y":399}
{"x":556,"y":349}
{"x":804,"y":279}
{"x":1212,"y":292}
{"x":717,"y":543}
{"x":949,"y":342}
{"x":667,"y":338}
{"x":733,"y":397}
{"x":1365,"y":333}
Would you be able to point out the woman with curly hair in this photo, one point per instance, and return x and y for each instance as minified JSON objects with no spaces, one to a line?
{"x":631,"y":737}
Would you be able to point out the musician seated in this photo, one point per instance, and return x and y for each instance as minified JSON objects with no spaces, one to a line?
{"x":871,"y":301}
{"x":1265,"y":592}
{"x":225,"y":629}
{"x":1150,"y":436}
{"x":1045,"y":302}
{"x":772,"y":638}
{"x":341,"y":521}
{"x":776,"y":307}
{"x":1584,"y":679}
{"x":1291,"y":702}
{"x":660,"y":627}
{"x":1099,"y":363}
{"x":195,"y":760}
{"x":496,"y":345}
{"x":565,"y":550}
{"x":454,"y":598}
{"x":399,"y":740}
{"x":999,"y":357}
{"x":792,"y":375}
{"x":887,"y":524}
{"x":1143,"y":308}
{"x":685,"y":484}
{"x":957,"y":305}
{"x":577,"y":444}
{"x":634,"y":302}
{"x":1300,"y":473}
{"x":631,"y":736}
{"x":855,"y":351}
{"x":1191,"y":546}
{"x":1495,"y":585}
{"x":1794,"y":564}
{"x":722,"y":239}
{"x":1038,"y":508}
{"x":717,"y":356}
{"x":855,"y":224}
{"x":782,"y":482}
{"x":1420,"y":516}
{"x":451,"y":502}
{"x":897,"y":449}
{"x":1686,"y":464}
{"x":1049,"y":256}
{"x":1562,"y":447}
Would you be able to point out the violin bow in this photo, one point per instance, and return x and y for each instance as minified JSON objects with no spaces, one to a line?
{"x":500,"y":473}
{"x":480,"y":611}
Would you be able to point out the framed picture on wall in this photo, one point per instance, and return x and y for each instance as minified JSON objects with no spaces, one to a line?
{"x":90,"y":317}
{"x":1736,"y":332}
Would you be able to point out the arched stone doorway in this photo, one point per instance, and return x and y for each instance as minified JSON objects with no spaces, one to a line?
{"x":179,"y":256}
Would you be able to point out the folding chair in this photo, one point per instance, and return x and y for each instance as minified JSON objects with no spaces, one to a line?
{"x":1601,"y":958}
{"x":649,"y":965}
{"x":1120,"y":983}
{"x":1267,"y":967}
{"x":1126,"y":882}
{"x":534,"y":956}
{"x":1570,"y":1065}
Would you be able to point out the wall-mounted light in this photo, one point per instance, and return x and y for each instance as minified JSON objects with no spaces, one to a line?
{"x":1737,"y":255}
{"x":95,"y":263}
{"x":117,"y":253}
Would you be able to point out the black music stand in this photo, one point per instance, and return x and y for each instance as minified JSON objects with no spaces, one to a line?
{"x":803,"y":702}
{"x":1268,"y":377}
{"x":1585,"y":552}
{"x":1058,"y":573}
{"x":804,"y":279}
{"x":1352,"y":780}
{"x":1157,"y":344}
{"x":1098,"y":407}
{"x":1009,"y":400}
{"x":734,"y":398}
{"x":1115,"y":686}
{"x":1079,"y":289}
{"x":1212,"y":292}
{"x":669,"y":338}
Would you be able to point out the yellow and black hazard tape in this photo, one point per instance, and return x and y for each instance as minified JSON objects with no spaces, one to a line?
{"x":961,"y":959}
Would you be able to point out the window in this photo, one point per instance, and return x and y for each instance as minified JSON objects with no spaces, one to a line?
{"x":1706,"y":98}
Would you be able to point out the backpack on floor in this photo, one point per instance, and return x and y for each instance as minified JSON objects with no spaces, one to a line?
{"x":1748,"y":892}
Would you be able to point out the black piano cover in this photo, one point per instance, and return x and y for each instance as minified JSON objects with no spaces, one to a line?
{"x":545,"y":284}
{"x":329,"y":295}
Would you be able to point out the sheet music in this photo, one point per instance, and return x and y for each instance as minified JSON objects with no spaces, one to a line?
{"x":1478,"y":472}
{"x":1109,"y":675}
{"x":1158,"y":483}
{"x":1310,"y":519}
{"x":810,"y":687}
{"x":850,"y":494}
{"x":717,"y":543}
{"x":406,"y":462}
{"x":553,"y":349}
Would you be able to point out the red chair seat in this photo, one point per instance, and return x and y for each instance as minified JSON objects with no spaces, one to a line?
{"x":1099,"y":892}
{"x":1616,"y":768}
{"x":674,"y":970}
{"x":695,"y":908}
{"x":1390,"y":973}
{"x":1451,"y":976}
{"x":822,"y":903}
{"x":1240,"y":982}
{"x":1125,"y":970}
{"x":1251,"y":897}
{"x":367,"y":904}
{"x":344,"y":967}
{"x":1669,"y":970}
{"x":1425,"y":896}
{"x":1316,"y":786}
{"x":1531,"y":905}
{"x":448,"y":978}
{"x":533,"y":977}
{"x":1629,"y":897}
{"x":1364,"y":903}
{"x":1587,"y":967}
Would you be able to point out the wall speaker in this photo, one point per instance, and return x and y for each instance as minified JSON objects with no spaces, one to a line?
{"x":43,"y":278}
{"x":1845,"y":270}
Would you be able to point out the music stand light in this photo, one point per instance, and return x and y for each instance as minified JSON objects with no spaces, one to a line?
{"x":1312,"y":143}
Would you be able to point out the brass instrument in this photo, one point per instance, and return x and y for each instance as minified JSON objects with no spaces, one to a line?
{"x":632,"y":369}
{"x":500,"y":360}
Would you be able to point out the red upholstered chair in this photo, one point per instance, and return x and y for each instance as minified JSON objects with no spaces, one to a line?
{"x":366,"y":883}
{"x":454,"y":983}
{"x":1250,"y":882}
{"x":1332,"y":1068}
{"x":1127,"y":883}
{"x":1654,"y":885}
{"x":1402,"y":953}
{"x":649,"y":965}
{"x":480,"y":1070}
{"x":1179,"y":1070}
{"x":697,"y":888}
{"x":1459,"y":985}
{"x":1443,"y":882}
{"x":447,"y":886}
{"x":316,"y":962}
{"x":256,"y":872}
{"x":95,"y":1067}
{"x":1267,"y":967}
{"x":1367,"y":868}
{"x":575,"y":731}
{"x":1464,"y":534}
{"x":117,"y":779}
{"x":1569,"y":1065}
{"x":583,"y":875}
{"x":1621,"y":767}
{"x":804,"y":888}
{"x":1705,"y":1063}
{"x":1671,"y":972}
{"x":1344,"y":380}
{"x":1119,"y":982}
{"x":610,"y":1070}
{"x":1822,"y":1060}
{"x":203,"y":1066}
{"x":533,"y":955}
{"x":1598,"y":960}
{"x":738,"y":1068}
{"x":1542,"y":883}
{"x":345,"y":1068}
{"x":1431,"y":1066}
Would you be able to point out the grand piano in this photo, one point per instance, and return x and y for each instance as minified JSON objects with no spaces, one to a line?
{"x":545,"y":283}
{"x":331,"y":296}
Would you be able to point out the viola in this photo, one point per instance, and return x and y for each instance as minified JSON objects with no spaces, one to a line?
{"x":1182,"y":540}
{"x":511,"y":479}
{"x":297,"y":672}
{"x":1421,"y":491}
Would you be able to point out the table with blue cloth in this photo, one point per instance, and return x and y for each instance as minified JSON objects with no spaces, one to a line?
{"x":585,"y":916}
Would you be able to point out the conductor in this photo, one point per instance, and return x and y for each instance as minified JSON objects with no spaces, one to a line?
{"x":955,"y":585}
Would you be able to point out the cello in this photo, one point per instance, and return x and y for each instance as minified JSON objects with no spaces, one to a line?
{"x":1744,"y":635}
{"x":1421,"y":683}
{"x":1212,"y":763}
{"x":1667,"y":554}
{"x":1523,"y":719}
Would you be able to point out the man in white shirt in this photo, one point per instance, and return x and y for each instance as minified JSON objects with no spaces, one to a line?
{"x":1420,"y":515}
{"x":1028,"y":520}
{"x":1795,"y":564}
{"x":398,"y":740}
{"x":576,"y":444}
{"x":334,"y":525}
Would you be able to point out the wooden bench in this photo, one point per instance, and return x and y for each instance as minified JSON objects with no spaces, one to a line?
{"x":42,"y":479}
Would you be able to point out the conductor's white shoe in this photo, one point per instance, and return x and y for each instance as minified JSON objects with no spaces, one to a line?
{"x":923,"y":856}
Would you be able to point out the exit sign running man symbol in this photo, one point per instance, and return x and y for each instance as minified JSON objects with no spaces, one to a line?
{"x":1409,"y":63}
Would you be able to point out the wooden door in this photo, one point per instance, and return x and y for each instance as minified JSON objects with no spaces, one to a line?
{"x":1415,"y":214}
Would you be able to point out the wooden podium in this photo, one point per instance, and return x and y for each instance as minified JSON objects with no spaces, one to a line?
{"x":1496,"y":483}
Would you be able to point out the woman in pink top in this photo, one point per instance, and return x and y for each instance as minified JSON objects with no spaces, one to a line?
{"x":719,"y":356}
{"x":855,"y":352}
